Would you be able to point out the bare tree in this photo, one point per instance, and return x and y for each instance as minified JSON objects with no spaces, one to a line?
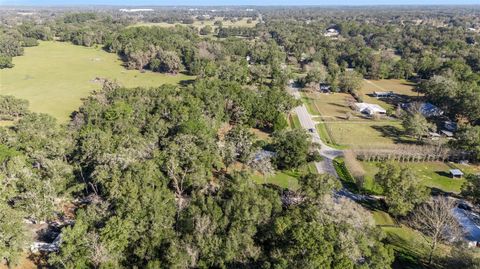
{"x":436,"y":221}
{"x":263,"y":166}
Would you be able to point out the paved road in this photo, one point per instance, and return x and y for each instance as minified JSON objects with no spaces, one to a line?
{"x":328,"y":153}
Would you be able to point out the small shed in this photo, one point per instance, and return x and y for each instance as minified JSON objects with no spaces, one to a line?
{"x":325,"y":88}
{"x":456,"y":173}
{"x":383,"y":94}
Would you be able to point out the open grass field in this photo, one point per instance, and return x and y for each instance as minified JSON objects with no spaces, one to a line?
{"x":357,"y":132}
{"x":54,"y":76}
{"x":330,"y":107}
{"x":402,"y":88}
{"x":432,"y":174}
{"x":367,"y":134}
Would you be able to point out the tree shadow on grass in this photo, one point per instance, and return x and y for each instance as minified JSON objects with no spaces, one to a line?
{"x":186,"y":82}
{"x":438,"y":192}
{"x":394,"y":133}
{"x":336,"y":104}
{"x":405,"y":255}
{"x":442,"y":173}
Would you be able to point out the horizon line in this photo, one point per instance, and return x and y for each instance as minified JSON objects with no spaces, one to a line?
{"x":256,"y":5}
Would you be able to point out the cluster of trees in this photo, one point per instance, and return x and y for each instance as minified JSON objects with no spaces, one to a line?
{"x":154,"y":164}
{"x":12,"y":108}
{"x":401,"y":187}
{"x":14,"y":39}
{"x":167,"y":188}
{"x":407,"y":199}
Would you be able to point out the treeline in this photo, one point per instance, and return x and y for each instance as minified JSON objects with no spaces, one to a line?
{"x":13,"y":40}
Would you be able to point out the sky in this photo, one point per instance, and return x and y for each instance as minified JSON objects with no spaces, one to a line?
{"x":234,"y":2}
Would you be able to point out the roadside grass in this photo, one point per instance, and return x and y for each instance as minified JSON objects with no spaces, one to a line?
{"x":330,"y":106}
{"x":324,"y":133}
{"x":294,"y":122}
{"x":309,"y":103}
{"x":55,"y":76}
{"x":432,"y":174}
{"x":345,"y":177}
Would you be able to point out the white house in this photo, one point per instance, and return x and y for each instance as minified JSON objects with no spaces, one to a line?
{"x":370,"y":109}
{"x":331,"y":32}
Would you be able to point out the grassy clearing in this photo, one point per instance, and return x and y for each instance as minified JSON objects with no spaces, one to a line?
{"x":345,"y":177}
{"x":54,"y":76}
{"x":357,"y":132}
{"x":4,"y":123}
{"x":260,"y":134}
{"x":330,"y":106}
{"x":432,"y":174}
{"x":402,"y":88}
{"x":368,"y":134}
{"x":284,"y":179}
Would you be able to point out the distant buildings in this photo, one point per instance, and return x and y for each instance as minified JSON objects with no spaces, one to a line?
{"x":135,"y":9}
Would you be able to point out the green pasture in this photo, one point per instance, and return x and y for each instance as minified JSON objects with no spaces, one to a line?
{"x":55,"y":76}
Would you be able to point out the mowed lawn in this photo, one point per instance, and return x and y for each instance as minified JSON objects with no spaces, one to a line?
{"x":54,"y":76}
{"x":331,"y":111}
{"x":330,"y":107}
{"x":400,"y":87}
{"x":432,"y":174}
{"x":366,"y":134}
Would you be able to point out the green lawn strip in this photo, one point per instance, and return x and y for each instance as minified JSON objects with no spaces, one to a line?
{"x":345,"y":177}
{"x":310,"y":104}
{"x":294,"y":121}
{"x":432,"y":174}
{"x":326,"y":136}
{"x":409,"y":246}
